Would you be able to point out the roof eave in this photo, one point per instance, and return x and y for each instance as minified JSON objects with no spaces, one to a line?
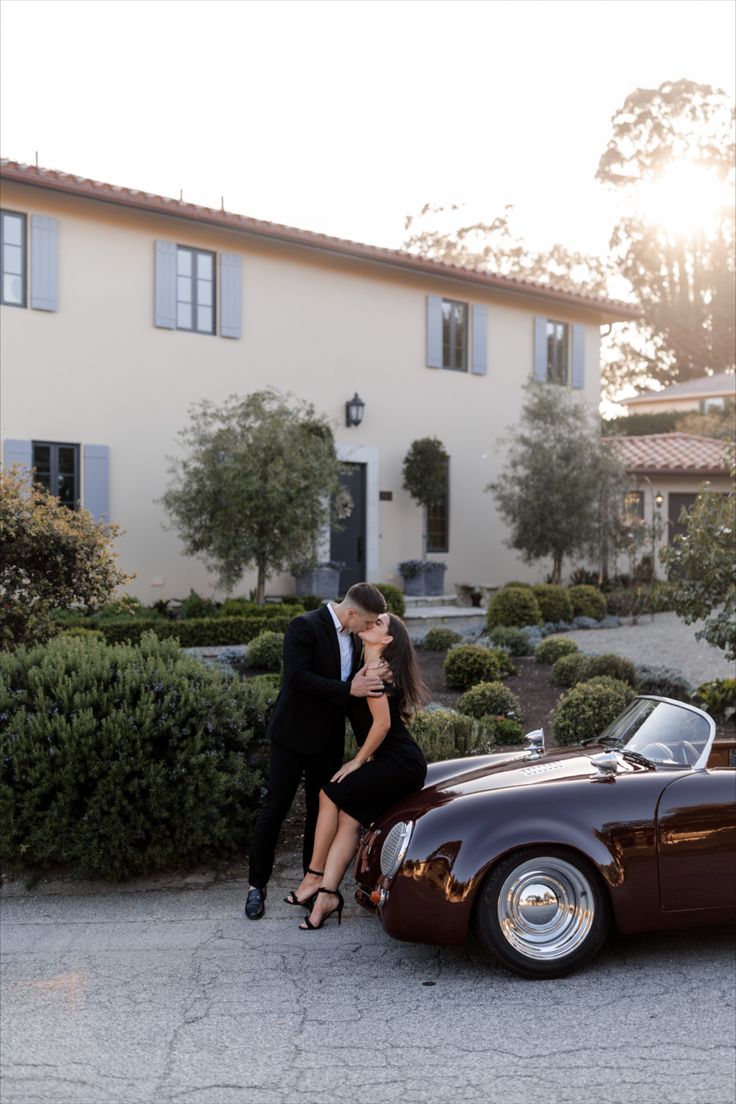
{"x":605,"y":310}
{"x":679,"y":472}
{"x":659,"y":397}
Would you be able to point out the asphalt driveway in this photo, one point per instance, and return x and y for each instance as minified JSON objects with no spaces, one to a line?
{"x":159,"y":992}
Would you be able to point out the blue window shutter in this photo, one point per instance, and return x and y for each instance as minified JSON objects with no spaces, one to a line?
{"x":479,"y":343}
{"x":96,"y":472}
{"x":165,"y":285}
{"x":540,"y":349}
{"x":17,"y":452}
{"x":578,"y":356}
{"x":434,"y":331}
{"x":44,"y":263}
{"x":229,"y":295}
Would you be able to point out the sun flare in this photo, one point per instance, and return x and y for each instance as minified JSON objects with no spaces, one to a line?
{"x":685,"y":199}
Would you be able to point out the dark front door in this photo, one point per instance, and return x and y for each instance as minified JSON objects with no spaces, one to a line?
{"x":347,"y":545}
{"x":675,"y":505}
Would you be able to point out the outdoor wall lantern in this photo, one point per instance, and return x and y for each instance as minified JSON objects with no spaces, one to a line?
{"x":659,"y":499}
{"x":354,"y":411}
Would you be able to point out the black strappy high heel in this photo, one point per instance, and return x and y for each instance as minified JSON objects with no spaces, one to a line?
{"x":309,"y":926}
{"x":308,"y":904}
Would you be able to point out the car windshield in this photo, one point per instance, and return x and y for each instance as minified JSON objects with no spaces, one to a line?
{"x":665,"y":733}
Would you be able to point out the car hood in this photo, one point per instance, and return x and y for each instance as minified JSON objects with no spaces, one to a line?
{"x":501,"y":772}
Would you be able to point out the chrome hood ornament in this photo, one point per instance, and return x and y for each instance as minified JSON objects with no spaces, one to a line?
{"x":606,"y":764}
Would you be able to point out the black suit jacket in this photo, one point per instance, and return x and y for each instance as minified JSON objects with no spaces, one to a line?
{"x":311,"y":707}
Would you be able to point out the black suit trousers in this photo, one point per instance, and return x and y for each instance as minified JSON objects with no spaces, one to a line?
{"x":285,"y":771}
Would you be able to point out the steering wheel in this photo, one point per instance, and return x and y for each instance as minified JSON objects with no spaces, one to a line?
{"x":687,"y":754}
{"x":658,"y":751}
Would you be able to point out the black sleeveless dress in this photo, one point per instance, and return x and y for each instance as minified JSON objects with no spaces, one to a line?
{"x":397,"y":768}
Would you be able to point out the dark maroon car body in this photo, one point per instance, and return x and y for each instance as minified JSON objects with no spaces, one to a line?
{"x":657,"y":843}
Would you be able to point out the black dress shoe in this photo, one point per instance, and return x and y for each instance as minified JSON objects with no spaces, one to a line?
{"x":255,"y":904}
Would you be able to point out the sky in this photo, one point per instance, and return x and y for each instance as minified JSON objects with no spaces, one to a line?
{"x":345,"y":116}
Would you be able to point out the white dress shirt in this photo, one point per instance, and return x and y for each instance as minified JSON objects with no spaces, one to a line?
{"x":345,"y":640}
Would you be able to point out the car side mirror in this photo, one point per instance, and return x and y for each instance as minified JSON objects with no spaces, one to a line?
{"x":535,"y":743}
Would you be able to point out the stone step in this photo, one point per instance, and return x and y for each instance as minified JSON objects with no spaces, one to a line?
{"x":415,"y":601}
{"x":429,"y":616}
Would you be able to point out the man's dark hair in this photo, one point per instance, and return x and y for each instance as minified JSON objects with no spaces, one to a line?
{"x":366,"y":597}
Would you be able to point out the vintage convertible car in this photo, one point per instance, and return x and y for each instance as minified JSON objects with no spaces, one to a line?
{"x":541,"y":852}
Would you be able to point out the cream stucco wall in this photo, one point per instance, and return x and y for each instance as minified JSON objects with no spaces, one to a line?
{"x":98,"y":371}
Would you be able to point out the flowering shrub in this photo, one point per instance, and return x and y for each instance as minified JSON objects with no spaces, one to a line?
{"x":50,"y":557}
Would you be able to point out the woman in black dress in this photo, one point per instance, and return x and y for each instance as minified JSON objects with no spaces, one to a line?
{"x":388,"y":766}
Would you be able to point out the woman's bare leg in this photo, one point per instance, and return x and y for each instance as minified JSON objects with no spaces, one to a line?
{"x":340,"y":856}
{"x":323,"y":836}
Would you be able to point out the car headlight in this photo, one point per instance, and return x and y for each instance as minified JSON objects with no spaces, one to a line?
{"x":394,"y":847}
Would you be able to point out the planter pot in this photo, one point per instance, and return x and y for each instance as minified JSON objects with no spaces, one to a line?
{"x":324,"y":582}
{"x":426,"y":584}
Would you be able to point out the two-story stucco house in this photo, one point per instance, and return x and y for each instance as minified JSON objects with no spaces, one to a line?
{"x":120,"y":309}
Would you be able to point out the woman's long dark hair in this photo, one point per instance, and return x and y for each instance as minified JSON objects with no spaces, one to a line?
{"x":402,"y":660}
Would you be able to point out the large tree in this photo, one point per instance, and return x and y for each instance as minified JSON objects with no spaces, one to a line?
{"x":668,"y":144}
{"x":254,"y":486}
{"x":444,"y":234}
{"x":556,"y":478}
{"x":683,"y":280}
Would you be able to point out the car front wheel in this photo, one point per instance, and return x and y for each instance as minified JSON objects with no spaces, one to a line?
{"x":543,"y":912}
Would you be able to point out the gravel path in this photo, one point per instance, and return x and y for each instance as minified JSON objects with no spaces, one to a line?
{"x":662,"y":641}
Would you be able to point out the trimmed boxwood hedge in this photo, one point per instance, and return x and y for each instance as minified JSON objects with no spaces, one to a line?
{"x":266,"y":651}
{"x":468,"y":664}
{"x":514,"y":640}
{"x":587,"y":601}
{"x":120,"y":759}
{"x":193,"y":632}
{"x":514,"y":606}
{"x":446,"y":734}
{"x":439,"y":639}
{"x":490,"y":699}
{"x":589,"y":708}
{"x":553,"y":648}
{"x":554,"y":602}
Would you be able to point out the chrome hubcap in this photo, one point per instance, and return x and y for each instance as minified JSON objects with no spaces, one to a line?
{"x":546,"y":908}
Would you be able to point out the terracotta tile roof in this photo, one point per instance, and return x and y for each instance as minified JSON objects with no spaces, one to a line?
{"x":672,"y":453}
{"x":722,"y":383}
{"x":54,"y":180}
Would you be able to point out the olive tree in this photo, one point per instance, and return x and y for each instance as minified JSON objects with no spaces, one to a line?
{"x":51,"y":557}
{"x":556,"y":476}
{"x":254,"y":485}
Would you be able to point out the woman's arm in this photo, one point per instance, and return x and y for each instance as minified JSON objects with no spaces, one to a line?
{"x":381,"y":714}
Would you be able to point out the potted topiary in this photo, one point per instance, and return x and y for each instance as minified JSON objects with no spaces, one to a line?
{"x":425,"y":478}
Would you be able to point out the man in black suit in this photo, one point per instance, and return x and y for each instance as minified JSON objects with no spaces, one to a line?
{"x":307,"y":727}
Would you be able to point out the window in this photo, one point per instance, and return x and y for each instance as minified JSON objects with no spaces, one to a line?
{"x":438,"y":520}
{"x":195,"y":290}
{"x":57,"y":469}
{"x":633,"y":507}
{"x":716,"y":403}
{"x":557,"y":352}
{"x":454,"y":335}
{"x":13,"y":259}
